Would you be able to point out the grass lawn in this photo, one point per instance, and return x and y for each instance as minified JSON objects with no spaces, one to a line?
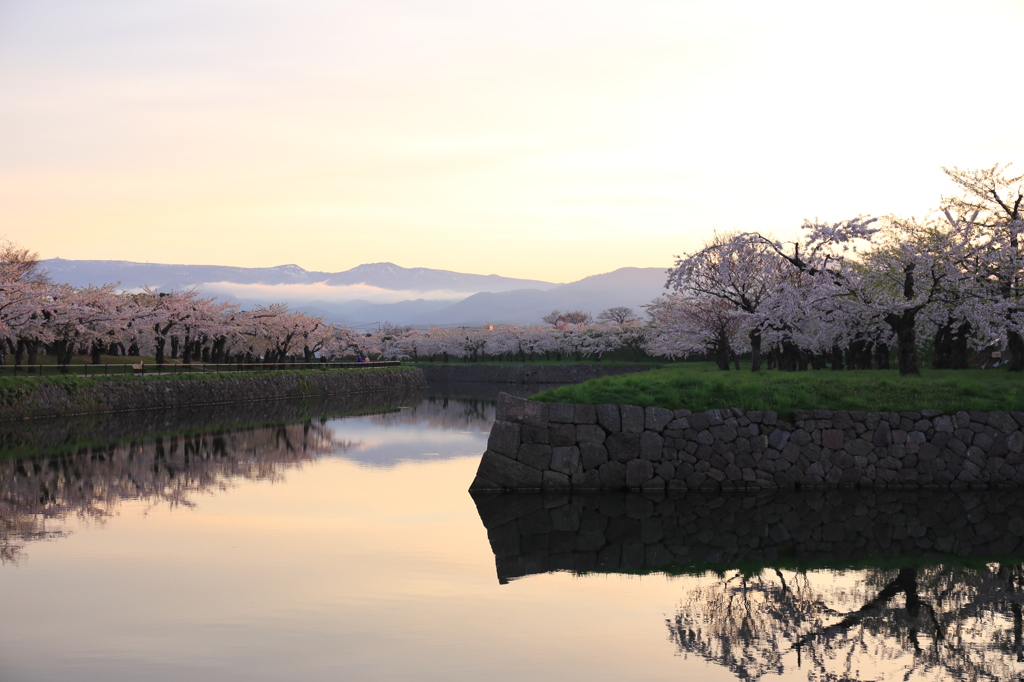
{"x":702,"y":386}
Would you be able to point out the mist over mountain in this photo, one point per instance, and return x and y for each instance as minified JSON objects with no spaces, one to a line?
{"x":378,"y":292}
{"x":387,"y":276}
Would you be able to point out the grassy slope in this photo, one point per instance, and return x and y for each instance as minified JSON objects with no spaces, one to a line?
{"x":15,"y":389}
{"x":703,"y":386}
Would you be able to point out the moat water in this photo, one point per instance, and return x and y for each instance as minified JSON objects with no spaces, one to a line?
{"x":335,"y":540}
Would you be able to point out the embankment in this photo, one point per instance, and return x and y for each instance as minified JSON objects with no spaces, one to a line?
{"x":540,"y":446}
{"x":59,"y":396}
{"x":444,"y":373}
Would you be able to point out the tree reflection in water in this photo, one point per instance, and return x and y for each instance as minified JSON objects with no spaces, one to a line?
{"x":92,"y":482}
{"x":934,"y":622}
{"x":831,"y":585}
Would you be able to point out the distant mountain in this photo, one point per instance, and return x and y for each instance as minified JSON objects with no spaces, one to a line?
{"x":632,"y":287}
{"x":383,"y":275}
{"x":416,"y":296}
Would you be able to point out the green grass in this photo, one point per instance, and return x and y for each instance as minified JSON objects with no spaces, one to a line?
{"x":17,"y":390}
{"x":701,"y":387}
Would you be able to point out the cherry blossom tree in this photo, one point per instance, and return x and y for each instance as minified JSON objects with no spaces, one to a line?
{"x":736,"y":269}
{"x":996,"y":198}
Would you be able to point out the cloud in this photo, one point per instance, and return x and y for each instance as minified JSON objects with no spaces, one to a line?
{"x":322,"y":291}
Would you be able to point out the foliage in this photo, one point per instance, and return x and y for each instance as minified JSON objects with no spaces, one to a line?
{"x":698,"y":387}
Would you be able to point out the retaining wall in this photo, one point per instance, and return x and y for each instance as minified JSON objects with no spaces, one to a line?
{"x":535,"y":446}
{"x":48,"y":398}
{"x":441,"y":373}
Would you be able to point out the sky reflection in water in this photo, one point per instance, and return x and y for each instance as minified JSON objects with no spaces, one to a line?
{"x":348,"y":548}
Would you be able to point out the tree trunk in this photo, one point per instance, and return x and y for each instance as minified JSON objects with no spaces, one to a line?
{"x":1015,"y":345}
{"x":722,"y":351}
{"x":160,"y":343}
{"x":906,"y":340}
{"x":837,"y":358}
{"x":97,"y":351}
{"x":755,"y":350}
{"x":881,"y":356}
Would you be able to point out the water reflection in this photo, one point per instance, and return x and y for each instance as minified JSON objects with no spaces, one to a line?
{"x":837,"y":585}
{"x":86,"y":467}
{"x":93,"y":481}
{"x":928,"y":622}
{"x":32,"y":437}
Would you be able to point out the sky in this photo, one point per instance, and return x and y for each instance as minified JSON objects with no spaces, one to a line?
{"x":544,"y":139}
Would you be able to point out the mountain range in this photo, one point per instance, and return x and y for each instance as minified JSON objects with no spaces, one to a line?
{"x":377,"y":292}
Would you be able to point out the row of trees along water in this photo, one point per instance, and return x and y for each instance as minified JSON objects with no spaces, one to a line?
{"x":845,"y":293}
{"x":952,"y":280}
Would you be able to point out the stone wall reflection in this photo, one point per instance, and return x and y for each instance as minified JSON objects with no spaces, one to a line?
{"x":834,"y":585}
{"x":634,"y":532}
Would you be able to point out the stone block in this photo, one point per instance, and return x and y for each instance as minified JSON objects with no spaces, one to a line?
{"x":608,"y":417}
{"x":638,"y":472}
{"x":562,"y":434}
{"x":565,"y":459}
{"x":983,"y":441}
{"x":777,"y":439}
{"x":623,"y":447}
{"x":560,"y":413}
{"x":883,"y":434}
{"x":656,"y":418}
{"x":613,"y":475}
{"x":724,"y":433}
{"x":584,"y":414}
{"x":554,"y":480}
{"x":589,"y":433}
{"x":586,"y":480}
{"x":943,"y":424}
{"x":966,"y":436}
{"x":592,"y":455}
{"x":1003,"y":422}
{"x":666,"y":470}
{"x":508,"y":473}
{"x":521,"y":410}
{"x":833,"y":439}
{"x":632,"y":418}
{"x":715,"y":417}
{"x":536,"y":456}
{"x":504,"y":438}
{"x":654,"y":484}
{"x":698,"y":421}
{"x":651,"y":445}
{"x":534,"y":434}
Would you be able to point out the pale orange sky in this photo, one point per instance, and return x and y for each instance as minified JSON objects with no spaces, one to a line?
{"x":548,"y":140}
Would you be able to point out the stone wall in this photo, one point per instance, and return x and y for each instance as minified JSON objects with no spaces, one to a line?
{"x":635,"y":532}
{"x":444,"y":373}
{"x":535,"y":446}
{"x":44,"y":397}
